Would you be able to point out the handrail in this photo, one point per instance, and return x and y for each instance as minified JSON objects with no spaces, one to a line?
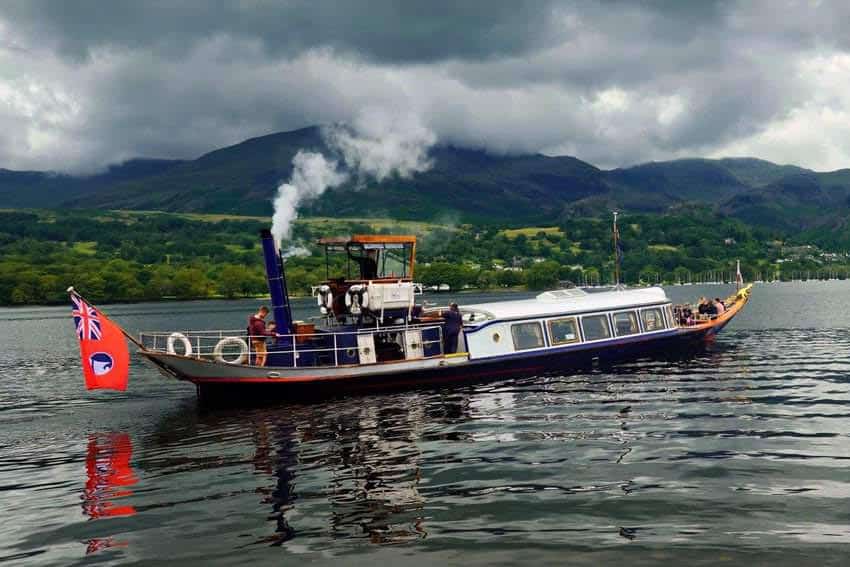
{"x":206,"y":344}
{"x":241,"y":332}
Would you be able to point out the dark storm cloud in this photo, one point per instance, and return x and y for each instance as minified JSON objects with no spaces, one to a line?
{"x":382,"y":30}
{"x":614,"y":82}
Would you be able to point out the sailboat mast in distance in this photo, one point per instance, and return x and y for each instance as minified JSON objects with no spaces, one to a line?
{"x":618,"y":252}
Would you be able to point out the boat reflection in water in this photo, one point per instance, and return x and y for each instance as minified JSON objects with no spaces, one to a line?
{"x":108,"y":478}
{"x":368,"y":471}
{"x":339,"y":476}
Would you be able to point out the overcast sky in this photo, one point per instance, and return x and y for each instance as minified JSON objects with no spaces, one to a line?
{"x":87,"y":83}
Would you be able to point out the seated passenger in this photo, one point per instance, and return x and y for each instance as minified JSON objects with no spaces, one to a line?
{"x":719,"y":307}
{"x":703,"y":309}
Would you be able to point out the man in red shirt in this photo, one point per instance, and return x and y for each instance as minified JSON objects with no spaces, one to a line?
{"x":257,"y":334}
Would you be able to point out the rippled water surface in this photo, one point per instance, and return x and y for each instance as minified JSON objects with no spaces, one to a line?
{"x":738,"y":454}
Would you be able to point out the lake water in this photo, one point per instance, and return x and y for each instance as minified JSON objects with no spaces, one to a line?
{"x":739,"y":454}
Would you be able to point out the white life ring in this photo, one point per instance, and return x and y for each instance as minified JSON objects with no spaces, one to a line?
{"x":353,"y":306}
{"x":357,"y":298}
{"x":174,"y":337}
{"x":218,"y":351}
{"x":322,"y":293}
{"x":324,"y":298}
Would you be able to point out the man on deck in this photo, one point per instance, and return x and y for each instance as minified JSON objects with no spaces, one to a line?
{"x":257,"y":334}
{"x":451,"y":329}
{"x":368,"y":265}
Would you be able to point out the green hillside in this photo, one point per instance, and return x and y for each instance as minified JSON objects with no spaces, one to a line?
{"x":815,"y":203}
{"x":464,"y":185}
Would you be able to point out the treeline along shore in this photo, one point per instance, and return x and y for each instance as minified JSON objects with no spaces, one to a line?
{"x":141,"y":256}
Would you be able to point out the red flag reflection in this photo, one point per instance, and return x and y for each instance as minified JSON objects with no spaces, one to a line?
{"x":109,"y":474}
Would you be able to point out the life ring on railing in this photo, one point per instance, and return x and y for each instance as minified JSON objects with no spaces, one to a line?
{"x":174,"y":337}
{"x":324,"y":298}
{"x":357,"y":298}
{"x":218,"y":351}
{"x":321,"y":294}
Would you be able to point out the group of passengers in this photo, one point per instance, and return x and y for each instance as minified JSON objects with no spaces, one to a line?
{"x":711,"y":308}
{"x":706,"y":309}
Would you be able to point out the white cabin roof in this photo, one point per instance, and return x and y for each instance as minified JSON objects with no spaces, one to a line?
{"x":569,"y":301}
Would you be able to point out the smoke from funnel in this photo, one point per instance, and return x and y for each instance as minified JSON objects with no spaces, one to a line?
{"x":379,"y":144}
{"x":312,"y":175}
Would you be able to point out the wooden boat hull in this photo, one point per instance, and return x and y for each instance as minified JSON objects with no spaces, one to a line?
{"x":243,"y":381}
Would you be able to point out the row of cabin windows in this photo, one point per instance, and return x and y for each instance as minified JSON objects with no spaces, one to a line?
{"x":594,"y":327}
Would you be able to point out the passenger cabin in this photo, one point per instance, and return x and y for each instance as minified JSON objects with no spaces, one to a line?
{"x":565,"y":318}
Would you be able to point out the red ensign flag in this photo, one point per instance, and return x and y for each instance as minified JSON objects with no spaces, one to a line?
{"x":108,"y":473}
{"x":105,"y":357}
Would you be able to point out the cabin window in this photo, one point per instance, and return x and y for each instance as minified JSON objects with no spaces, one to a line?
{"x":595,"y":327}
{"x":653,"y":320}
{"x":563,"y":331}
{"x":527,"y":335}
{"x":394,"y":262}
{"x":669,"y":311}
{"x":625,"y":323}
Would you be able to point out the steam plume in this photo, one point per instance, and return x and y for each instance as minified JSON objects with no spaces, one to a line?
{"x":377,"y":145}
{"x":312,"y":174}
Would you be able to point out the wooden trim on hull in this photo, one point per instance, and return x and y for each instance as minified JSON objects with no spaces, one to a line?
{"x":713,"y":326}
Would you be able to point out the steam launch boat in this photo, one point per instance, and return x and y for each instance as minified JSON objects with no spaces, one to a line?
{"x":370,"y":331}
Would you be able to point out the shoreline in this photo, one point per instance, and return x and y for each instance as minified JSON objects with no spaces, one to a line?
{"x":517,"y":289}
{"x":264,"y":297}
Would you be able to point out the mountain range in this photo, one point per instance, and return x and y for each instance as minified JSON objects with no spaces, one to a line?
{"x":463,"y":184}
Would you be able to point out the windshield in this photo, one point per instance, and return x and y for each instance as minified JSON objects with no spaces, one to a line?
{"x":368,"y":261}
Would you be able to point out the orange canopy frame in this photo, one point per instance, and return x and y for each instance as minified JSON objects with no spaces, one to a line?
{"x":375,"y":240}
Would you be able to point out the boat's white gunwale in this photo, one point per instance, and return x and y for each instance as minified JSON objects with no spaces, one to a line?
{"x":156,"y":353}
{"x":193,"y":368}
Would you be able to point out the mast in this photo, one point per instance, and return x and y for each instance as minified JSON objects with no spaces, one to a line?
{"x":618,"y":253}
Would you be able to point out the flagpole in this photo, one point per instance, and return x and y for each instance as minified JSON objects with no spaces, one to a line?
{"x":128,"y":336}
{"x":616,"y":253}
